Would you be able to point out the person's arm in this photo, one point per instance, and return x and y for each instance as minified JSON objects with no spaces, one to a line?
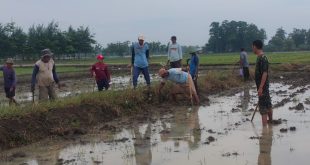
{"x":55,"y":74}
{"x":132,"y":55}
{"x":34,"y":75}
{"x":262,"y":83}
{"x":197,"y":66}
{"x":14,"y":80}
{"x":161,"y":85}
{"x":92,"y":71}
{"x":147,"y":53}
{"x":180,"y":52}
{"x":264,"y":68}
{"x":107,"y":72}
{"x":169,"y":53}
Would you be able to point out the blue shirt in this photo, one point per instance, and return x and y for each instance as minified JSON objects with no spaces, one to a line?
{"x":177,"y":75}
{"x":140,"y":55}
{"x":9,"y":77}
{"x":193,"y":65}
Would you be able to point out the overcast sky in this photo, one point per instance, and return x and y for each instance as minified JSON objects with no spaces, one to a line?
{"x":189,"y":20}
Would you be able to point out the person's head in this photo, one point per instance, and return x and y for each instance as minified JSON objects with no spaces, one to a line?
{"x":9,"y":62}
{"x":173,"y":39}
{"x":163,"y":73}
{"x":141,"y":39}
{"x":242,"y":49}
{"x":46,"y":55}
{"x":100,"y":57}
{"x":257,"y":46}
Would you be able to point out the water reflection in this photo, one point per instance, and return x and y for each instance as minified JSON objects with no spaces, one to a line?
{"x":245,"y":98}
{"x":265,"y":143}
{"x":184,"y":126}
{"x":142,"y":145}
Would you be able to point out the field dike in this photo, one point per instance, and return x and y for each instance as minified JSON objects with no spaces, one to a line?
{"x":74,"y":116}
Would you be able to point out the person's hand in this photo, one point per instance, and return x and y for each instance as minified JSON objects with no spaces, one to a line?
{"x":260,"y":92}
{"x":11,"y":89}
{"x":32,"y":88}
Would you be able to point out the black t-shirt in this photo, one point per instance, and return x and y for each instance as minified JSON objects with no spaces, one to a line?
{"x":262,"y":65}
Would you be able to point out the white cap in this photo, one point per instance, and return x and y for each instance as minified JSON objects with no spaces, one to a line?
{"x":141,"y":37}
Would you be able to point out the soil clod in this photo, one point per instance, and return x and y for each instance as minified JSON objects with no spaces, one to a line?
{"x":292,"y":128}
{"x":298,"y":107}
{"x":283,"y":130}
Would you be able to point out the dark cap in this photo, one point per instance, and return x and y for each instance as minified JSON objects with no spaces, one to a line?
{"x":46,"y":52}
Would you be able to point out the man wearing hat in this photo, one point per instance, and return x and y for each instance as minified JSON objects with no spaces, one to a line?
{"x":193,"y":67}
{"x":182,"y":79}
{"x":101,"y":73}
{"x":44,"y":74}
{"x":139,"y":61}
{"x":9,"y":80}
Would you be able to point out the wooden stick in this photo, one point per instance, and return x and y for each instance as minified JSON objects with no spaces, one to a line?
{"x":254,"y":112}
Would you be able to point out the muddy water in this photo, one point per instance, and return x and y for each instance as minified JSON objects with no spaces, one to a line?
{"x":219,"y":133}
{"x":72,"y":88}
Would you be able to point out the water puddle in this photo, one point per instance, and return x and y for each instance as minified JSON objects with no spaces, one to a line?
{"x":220,"y":133}
{"x":73,"y":88}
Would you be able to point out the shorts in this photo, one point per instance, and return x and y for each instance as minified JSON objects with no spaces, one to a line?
{"x":8,"y":93}
{"x":176,"y":64}
{"x":103,"y":84}
{"x":264,"y":103}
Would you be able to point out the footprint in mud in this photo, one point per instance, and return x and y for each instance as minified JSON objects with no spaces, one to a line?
{"x":299,"y":106}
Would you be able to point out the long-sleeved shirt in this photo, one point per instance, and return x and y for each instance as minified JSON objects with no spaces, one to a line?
{"x":174,"y":52}
{"x":44,"y":73}
{"x":194,"y":65}
{"x":101,"y":70}
{"x":9,"y":77}
{"x":140,"y":55}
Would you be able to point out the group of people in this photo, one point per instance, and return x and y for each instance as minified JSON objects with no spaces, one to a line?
{"x":45,"y":76}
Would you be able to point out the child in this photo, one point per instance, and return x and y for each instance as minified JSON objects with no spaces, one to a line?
{"x":9,"y":80}
{"x":101,"y":73}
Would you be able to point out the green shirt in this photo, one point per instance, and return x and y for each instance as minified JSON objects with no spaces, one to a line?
{"x":262,"y":65}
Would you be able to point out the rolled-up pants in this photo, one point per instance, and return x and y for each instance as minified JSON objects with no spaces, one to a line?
{"x":47,"y":92}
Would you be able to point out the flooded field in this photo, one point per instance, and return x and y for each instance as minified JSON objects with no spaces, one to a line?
{"x":217,"y":133}
{"x":71,"y":87}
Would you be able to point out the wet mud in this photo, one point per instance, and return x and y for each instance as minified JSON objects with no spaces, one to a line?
{"x":217,"y":133}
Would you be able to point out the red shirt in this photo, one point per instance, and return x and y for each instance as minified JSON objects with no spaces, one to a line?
{"x":101,"y":71}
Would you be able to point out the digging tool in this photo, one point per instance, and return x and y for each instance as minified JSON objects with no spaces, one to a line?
{"x":254,"y":112}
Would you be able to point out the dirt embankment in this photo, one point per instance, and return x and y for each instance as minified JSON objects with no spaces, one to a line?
{"x":76,"y":119}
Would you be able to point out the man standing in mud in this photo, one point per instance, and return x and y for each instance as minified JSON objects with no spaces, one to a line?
{"x":244,"y":64}
{"x":9,"y":80}
{"x":140,"y":61}
{"x":262,"y":82}
{"x":44,"y":74}
{"x":174,"y":53}
{"x":101,"y":73}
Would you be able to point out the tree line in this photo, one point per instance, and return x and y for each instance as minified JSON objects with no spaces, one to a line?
{"x":72,"y":42}
{"x":230,"y":36}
